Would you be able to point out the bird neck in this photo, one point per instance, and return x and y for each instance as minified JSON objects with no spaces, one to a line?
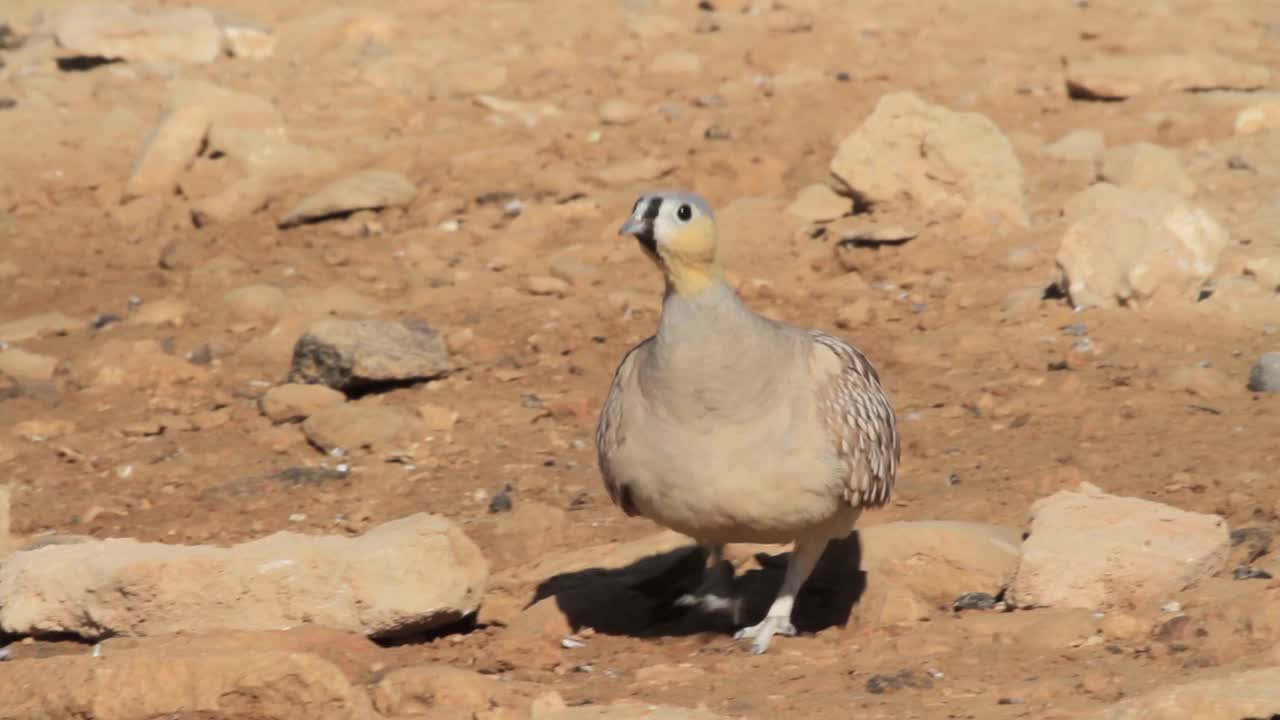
{"x":691,"y":280}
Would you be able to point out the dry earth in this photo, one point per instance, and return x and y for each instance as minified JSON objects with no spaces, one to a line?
{"x":172,"y":222}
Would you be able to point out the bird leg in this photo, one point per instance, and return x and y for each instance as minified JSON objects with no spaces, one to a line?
{"x":715,"y":593}
{"x":778,"y":620}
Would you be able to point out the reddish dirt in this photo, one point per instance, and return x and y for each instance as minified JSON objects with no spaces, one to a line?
{"x":970,"y":380}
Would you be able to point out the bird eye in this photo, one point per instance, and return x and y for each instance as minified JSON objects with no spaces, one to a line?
{"x":685,"y":213}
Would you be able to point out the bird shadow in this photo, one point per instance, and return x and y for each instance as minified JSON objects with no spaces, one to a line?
{"x":639,"y":600}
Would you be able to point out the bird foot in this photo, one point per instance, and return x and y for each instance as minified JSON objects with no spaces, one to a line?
{"x":764,"y":631}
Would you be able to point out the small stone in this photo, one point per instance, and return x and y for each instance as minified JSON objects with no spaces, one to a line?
{"x":255,"y":303}
{"x":248,"y":42}
{"x":1077,"y":145}
{"x":974,"y":601}
{"x":819,"y":203}
{"x":501,"y":502}
{"x":438,"y":418}
{"x":1258,"y":118}
{"x":348,"y":354}
{"x":1248,"y":572}
{"x":168,"y":151}
{"x":619,"y":112}
{"x":855,"y":314}
{"x":1264,"y":376}
{"x":352,"y":426}
{"x":166,"y":311}
{"x":365,"y":190}
{"x":676,"y":62}
{"x":633,"y":171}
{"x":545,"y":285}
{"x":293,"y":402}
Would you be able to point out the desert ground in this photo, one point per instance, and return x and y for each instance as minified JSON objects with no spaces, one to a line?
{"x":1053,"y":226}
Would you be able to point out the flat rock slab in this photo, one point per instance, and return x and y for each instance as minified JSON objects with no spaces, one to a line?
{"x":188,"y":35}
{"x":416,"y":573}
{"x":366,"y":190}
{"x":1116,"y":78}
{"x":142,"y":685}
{"x":1248,"y":694}
{"x":1088,"y":549}
{"x":350,"y":354}
{"x":935,"y":160}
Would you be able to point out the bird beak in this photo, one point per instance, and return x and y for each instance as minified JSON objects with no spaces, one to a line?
{"x":633,"y":226}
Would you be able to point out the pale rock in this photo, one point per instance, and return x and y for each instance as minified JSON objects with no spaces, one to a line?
{"x":438,"y":418}
{"x":676,"y":62}
{"x":292,"y":402}
{"x":347,"y":354}
{"x":939,"y":161}
{"x":940,"y":560}
{"x":819,"y":203}
{"x":888,"y":603}
{"x":1144,"y":166}
{"x":244,"y":41}
{"x":1264,"y":376}
{"x":427,"y":689}
{"x":184,"y":35}
{"x":1251,"y":693}
{"x":23,"y":365}
{"x":37,"y":326}
{"x":468,"y":77}
{"x":167,"y":152}
{"x":528,"y":113}
{"x":256,"y":303}
{"x":855,"y":314}
{"x":236,"y":119}
{"x":165,"y":311}
{"x":1129,"y":246}
{"x":1266,"y":271}
{"x":1084,"y":145}
{"x":328,"y":30}
{"x":566,"y":265}
{"x":1088,"y":549}
{"x":142,"y":685}
{"x":631,"y":172}
{"x":41,"y":430}
{"x":1258,"y":118}
{"x":545,"y":285}
{"x":409,"y":575}
{"x":619,"y":112}
{"x":365,"y":190}
{"x":628,"y":710}
{"x":1124,"y":76}
{"x":358,"y":426}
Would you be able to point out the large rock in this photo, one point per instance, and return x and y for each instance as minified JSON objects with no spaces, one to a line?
{"x":1246,"y":694}
{"x":1122,"y":76}
{"x":365,"y":190}
{"x":1264,"y":376}
{"x":937,"y":160}
{"x":1130,"y":246}
{"x":185,"y":35}
{"x":412,"y":574}
{"x":1088,"y":549}
{"x":349,"y":354}
{"x":291,"y":401}
{"x":141,"y":685}
{"x":940,"y":560}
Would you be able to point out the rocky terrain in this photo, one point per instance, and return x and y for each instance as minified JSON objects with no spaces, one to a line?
{"x":307,"y":310}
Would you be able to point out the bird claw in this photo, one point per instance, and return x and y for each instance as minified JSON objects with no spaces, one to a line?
{"x":764,"y":631}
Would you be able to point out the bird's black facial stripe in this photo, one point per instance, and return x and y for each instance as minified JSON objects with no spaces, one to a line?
{"x":646,"y":236}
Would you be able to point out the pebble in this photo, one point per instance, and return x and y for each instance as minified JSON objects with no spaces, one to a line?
{"x":1265,"y":374}
{"x":545,"y":285}
{"x":619,"y":112}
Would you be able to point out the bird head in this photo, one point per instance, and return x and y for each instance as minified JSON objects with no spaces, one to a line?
{"x":677,"y":231}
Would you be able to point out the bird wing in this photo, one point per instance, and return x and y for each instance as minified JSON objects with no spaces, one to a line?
{"x":611,"y":429}
{"x":863,"y":429}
